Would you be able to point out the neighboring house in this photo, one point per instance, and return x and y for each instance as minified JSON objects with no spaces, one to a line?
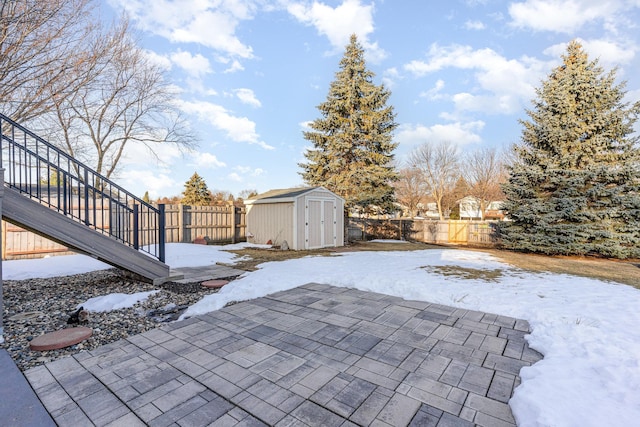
{"x":494,"y":211}
{"x":429,"y":210}
{"x":422,"y":211}
{"x":470,"y":209}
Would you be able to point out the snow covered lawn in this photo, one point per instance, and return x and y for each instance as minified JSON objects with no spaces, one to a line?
{"x":588,"y":330}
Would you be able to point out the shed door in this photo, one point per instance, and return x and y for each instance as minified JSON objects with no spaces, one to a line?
{"x":320,"y":223}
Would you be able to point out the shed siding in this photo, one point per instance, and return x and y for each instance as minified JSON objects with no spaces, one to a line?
{"x":273,"y":221}
{"x":300,"y":224}
{"x":306,"y":220}
{"x":319,"y":194}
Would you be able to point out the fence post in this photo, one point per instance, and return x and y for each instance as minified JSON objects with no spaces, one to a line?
{"x":181,"y":223}
{"x":232,"y":210}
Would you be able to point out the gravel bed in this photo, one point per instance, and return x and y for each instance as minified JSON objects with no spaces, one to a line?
{"x":37,"y":306}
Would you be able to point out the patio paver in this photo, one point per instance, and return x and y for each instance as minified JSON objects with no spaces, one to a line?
{"x":313,"y":355}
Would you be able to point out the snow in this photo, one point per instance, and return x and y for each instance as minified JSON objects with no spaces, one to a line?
{"x":190,"y":255}
{"x":114,"y":301}
{"x":54,"y":266}
{"x":177,"y":254}
{"x":586,"y":329}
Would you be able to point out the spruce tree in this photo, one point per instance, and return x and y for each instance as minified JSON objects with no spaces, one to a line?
{"x":196,"y":192}
{"x":574,"y":187}
{"x":352,"y":141}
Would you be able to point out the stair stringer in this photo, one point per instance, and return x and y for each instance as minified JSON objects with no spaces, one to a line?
{"x":33,"y":216}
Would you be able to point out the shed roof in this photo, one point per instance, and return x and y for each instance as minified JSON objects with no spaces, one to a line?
{"x":283,"y":195}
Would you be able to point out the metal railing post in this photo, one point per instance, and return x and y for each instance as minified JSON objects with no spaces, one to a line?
{"x":136,"y":237}
{"x":161,"y":232}
{"x":86,"y":197}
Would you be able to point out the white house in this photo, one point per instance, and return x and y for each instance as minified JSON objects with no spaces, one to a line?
{"x":470,"y":209}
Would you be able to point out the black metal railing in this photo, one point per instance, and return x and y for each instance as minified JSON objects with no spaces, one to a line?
{"x":45,"y":173}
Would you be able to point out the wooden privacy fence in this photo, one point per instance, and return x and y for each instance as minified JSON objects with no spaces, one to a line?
{"x":19,"y":243}
{"x":220,"y":224}
{"x":482,"y":233}
{"x":183,"y":224}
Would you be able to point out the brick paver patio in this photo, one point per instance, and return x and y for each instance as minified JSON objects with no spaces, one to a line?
{"x":314,"y":355}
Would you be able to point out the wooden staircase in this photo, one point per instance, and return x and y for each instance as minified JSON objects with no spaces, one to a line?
{"x":53,"y":195}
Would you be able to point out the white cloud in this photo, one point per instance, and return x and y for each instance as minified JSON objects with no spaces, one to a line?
{"x":195,"y":65}
{"x":243,"y":172}
{"x":140,"y":154}
{"x":306,"y":126}
{"x":157,"y":184}
{"x":609,"y":53}
{"x":503,"y":85}
{"x":339,"y":23}
{"x":243,"y":169}
{"x":211,"y":24}
{"x":234,"y":67}
{"x":235,"y":177}
{"x":390,"y":76}
{"x":434,"y":92}
{"x":633,"y":96}
{"x":160,"y":60}
{"x":474,"y":25}
{"x":207,"y":161}
{"x":239,"y":129}
{"x":563,"y":16}
{"x":247,"y":97}
{"x":248,"y":170}
{"x":457,"y":133}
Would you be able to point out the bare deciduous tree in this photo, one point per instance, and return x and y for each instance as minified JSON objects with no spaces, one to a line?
{"x":125,"y":99}
{"x":451,"y":200}
{"x":411,"y":190}
{"x":484,"y":172}
{"x":86,"y":88}
{"x":40,"y":45}
{"x":439,"y":166}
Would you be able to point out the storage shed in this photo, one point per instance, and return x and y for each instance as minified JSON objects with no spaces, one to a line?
{"x":306,"y":218}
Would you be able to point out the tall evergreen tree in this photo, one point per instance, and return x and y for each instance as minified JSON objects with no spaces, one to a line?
{"x":574,"y":187}
{"x":196,"y":192}
{"x":352,"y":141}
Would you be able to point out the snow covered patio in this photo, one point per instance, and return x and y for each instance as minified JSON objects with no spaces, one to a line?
{"x":585,"y":328}
{"x":312,"y":355}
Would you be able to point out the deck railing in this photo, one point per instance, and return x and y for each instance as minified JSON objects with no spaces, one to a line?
{"x":47,"y":174}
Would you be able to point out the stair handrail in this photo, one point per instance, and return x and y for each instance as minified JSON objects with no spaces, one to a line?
{"x":75,"y":190}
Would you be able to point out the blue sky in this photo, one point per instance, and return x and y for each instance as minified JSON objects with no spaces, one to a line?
{"x":250,"y":73}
